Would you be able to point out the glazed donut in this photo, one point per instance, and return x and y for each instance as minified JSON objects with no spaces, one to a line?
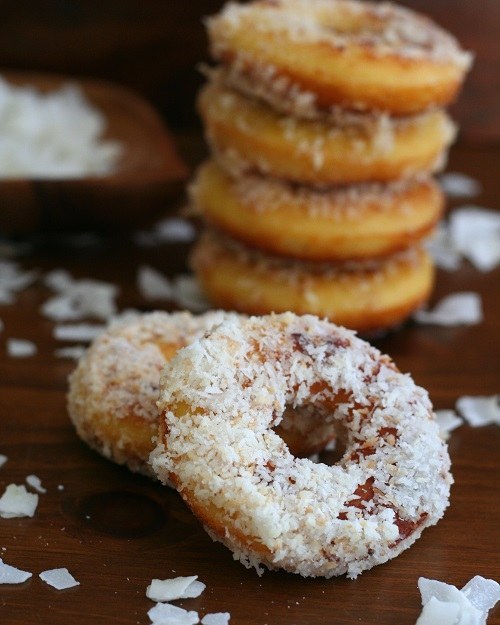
{"x":247,"y":136}
{"x":246,"y":487}
{"x":365,"y":296}
{"x":114,"y":389}
{"x":349,"y":223}
{"x":309,"y":55}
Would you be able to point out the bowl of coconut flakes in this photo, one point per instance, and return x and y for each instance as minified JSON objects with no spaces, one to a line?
{"x":81,"y":153}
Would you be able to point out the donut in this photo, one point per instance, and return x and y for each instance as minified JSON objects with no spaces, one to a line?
{"x":248,"y":136}
{"x":310,"y":55}
{"x":114,"y":389}
{"x":366,"y":296}
{"x":269,"y":507}
{"x":348,"y":223}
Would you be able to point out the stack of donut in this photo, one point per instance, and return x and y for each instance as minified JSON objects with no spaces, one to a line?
{"x":326,"y":121}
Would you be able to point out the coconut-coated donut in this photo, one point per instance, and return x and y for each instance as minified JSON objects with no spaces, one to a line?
{"x":310,"y":55}
{"x":248,"y":136}
{"x":347,"y":223}
{"x":220,"y":398}
{"x":114,"y":389}
{"x":366,"y":296}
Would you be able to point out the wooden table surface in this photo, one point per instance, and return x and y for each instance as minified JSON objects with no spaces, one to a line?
{"x":116,"y":531}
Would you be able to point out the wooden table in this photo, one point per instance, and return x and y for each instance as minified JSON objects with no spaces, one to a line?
{"x":116,"y":531}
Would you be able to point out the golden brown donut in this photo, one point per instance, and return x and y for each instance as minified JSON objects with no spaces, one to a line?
{"x":310,"y":55}
{"x":252,"y":494}
{"x":367,"y":297}
{"x":348,"y":223}
{"x":113,"y":391}
{"x":248,"y":136}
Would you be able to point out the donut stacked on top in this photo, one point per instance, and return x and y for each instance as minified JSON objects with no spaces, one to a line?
{"x":326,"y":121}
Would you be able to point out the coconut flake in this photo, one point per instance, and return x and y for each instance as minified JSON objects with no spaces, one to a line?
{"x":60,"y":579}
{"x":170,"y":230}
{"x":457,"y":309}
{"x":12,"y":280}
{"x":175,"y":588}
{"x":35,"y":483}
{"x":74,"y":352}
{"x":448,"y":420}
{"x":188,"y":294}
{"x":3,"y":459}
{"x":475,"y":232}
{"x":78,"y":332}
{"x":216,"y":618}
{"x":167,"y":614}
{"x":444,"y":604}
{"x":11,"y":575}
{"x":20,"y":348}
{"x":442,"y":250}
{"x":17,"y":502}
{"x":458,"y":185}
{"x":479,"y":411}
{"x":153,"y":285}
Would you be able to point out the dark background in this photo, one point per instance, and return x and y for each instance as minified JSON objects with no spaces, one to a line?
{"x":154,"y":47}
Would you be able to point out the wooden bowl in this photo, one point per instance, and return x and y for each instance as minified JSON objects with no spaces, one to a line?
{"x":148,"y":176}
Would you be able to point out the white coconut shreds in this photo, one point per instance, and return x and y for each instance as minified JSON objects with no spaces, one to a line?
{"x":153,"y":285}
{"x":308,"y":518}
{"x":11,"y":575}
{"x":217,"y":618}
{"x":479,"y":411}
{"x":170,"y":230}
{"x":78,"y":299}
{"x":471,"y":233}
{"x":3,"y":460}
{"x":167,"y":614}
{"x":175,"y":588}
{"x":52,"y":135}
{"x":188,"y":294}
{"x":12,"y":280}
{"x":17,"y":502}
{"x":458,"y":185}
{"x":454,"y":310}
{"x":444,"y":604}
{"x":78,"y":331}
{"x":35,"y":483}
{"x":448,"y":420}
{"x":73,"y":352}
{"x":20,"y":348}
{"x":60,"y":579}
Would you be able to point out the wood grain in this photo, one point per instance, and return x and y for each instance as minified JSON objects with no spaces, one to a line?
{"x":116,"y":531}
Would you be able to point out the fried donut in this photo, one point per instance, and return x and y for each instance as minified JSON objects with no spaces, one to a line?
{"x":246,"y":487}
{"x":351,"y":223}
{"x":313,"y":55}
{"x":367,"y":297}
{"x":248,"y":136}
{"x":114,"y":389}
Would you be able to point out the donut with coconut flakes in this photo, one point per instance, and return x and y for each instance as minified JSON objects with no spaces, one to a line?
{"x":305,"y":56}
{"x":114,"y":389}
{"x":220,"y":399}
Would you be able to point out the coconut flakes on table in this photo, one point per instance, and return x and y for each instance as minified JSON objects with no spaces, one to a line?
{"x":20,"y":348}
{"x":73,"y":352}
{"x":153,"y":285}
{"x":3,"y":460}
{"x":478,"y":410}
{"x":12,"y":280}
{"x":17,"y":502}
{"x":168,"y":614}
{"x":216,"y":618}
{"x":57,"y":134}
{"x":463,"y":308}
{"x":458,"y":185}
{"x":60,"y":579}
{"x":188,"y":294}
{"x":175,"y":588}
{"x":11,"y":575}
{"x":444,"y":604}
{"x":447,"y":420}
{"x":35,"y":482}
{"x":170,"y":230}
{"x":78,"y":332}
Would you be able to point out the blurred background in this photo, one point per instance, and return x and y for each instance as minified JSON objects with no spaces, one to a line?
{"x":154,"y":47}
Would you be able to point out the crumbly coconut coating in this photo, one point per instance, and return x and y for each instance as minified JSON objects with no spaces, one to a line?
{"x":222,"y":395}
{"x":118,"y":377}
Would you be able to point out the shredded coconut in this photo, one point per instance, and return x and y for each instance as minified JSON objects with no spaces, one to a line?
{"x":217,"y":618}
{"x":454,"y":310}
{"x":3,"y":460}
{"x":17,"y":502}
{"x":175,"y":588}
{"x":153,"y":285}
{"x":20,"y":348}
{"x":167,"y":614}
{"x":78,"y":332}
{"x":74,"y":352}
{"x":457,"y":185}
{"x":60,"y":579}
{"x":35,"y":483}
{"x":13,"y":279}
{"x":479,"y":411}
{"x":170,"y":230}
{"x":448,"y":420}
{"x":52,"y":135}
{"x":11,"y":575}
{"x":188,"y":294}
